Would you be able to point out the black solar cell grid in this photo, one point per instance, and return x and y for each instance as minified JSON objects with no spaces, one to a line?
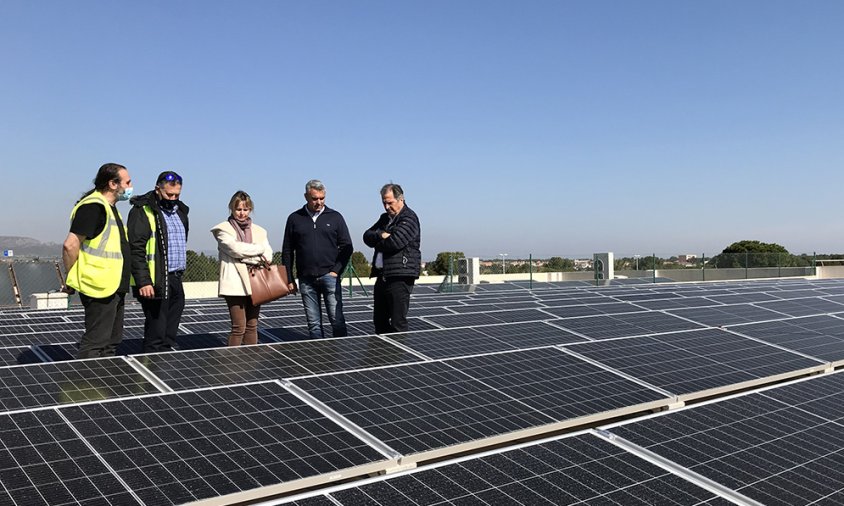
{"x":42,"y":461}
{"x":18,"y":355}
{"x":555,"y":383}
{"x":626,"y":325}
{"x":767,"y":451}
{"x":803,"y":306}
{"x":178,"y":448}
{"x":344,"y":354}
{"x":52,"y":384}
{"x":422,"y":407}
{"x":446,"y":343}
{"x":817,"y":336}
{"x":728,"y":315}
{"x":187,"y":370}
{"x":576,"y":470}
{"x":695,"y":361}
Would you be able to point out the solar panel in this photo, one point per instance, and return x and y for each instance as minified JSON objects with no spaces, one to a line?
{"x":767,"y":451}
{"x":42,"y":461}
{"x":367,"y":328}
{"x":447,"y":343}
{"x":803,"y":307}
{"x":529,"y":334}
{"x":424,"y":409}
{"x":625,"y":325}
{"x":288,"y":333}
{"x":581,"y":469}
{"x":184,"y":447}
{"x":683,"y":302}
{"x":52,"y":384}
{"x":727,"y":315}
{"x":559,"y":385}
{"x":696,"y":363}
{"x":187,"y":370}
{"x":740,"y":298}
{"x":344,"y":354}
{"x":593,"y":309}
{"x":18,"y":355}
{"x":816,"y":336}
{"x":463,"y":320}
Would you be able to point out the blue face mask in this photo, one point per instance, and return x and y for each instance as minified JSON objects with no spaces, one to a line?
{"x":125,"y":194}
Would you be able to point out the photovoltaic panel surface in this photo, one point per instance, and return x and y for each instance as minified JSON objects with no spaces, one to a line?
{"x":186,"y":370}
{"x":177,"y":448}
{"x":422,"y":407}
{"x":52,"y":384}
{"x":624,"y":325}
{"x":803,"y":307}
{"x":447,"y":343}
{"x":582,"y":469}
{"x":320,"y":356}
{"x":770,"y":452}
{"x":367,"y":328}
{"x":557,"y":384}
{"x":694,"y":361}
{"x":42,"y":461}
{"x":816,"y":336}
{"x":18,"y":356}
{"x":529,"y":334}
{"x":593,"y":309}
{"x":728,"y":315}
{"x":683,"y":302}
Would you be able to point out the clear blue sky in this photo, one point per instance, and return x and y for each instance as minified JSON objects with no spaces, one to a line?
{"x":544,"y":127}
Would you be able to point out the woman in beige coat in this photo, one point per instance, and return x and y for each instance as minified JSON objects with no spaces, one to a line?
{"x":240,"y":243}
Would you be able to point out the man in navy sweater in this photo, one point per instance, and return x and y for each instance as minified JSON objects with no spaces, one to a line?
{"x":317,"y":240}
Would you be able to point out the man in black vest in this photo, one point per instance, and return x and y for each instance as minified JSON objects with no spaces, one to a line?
{"x":396,"y":238}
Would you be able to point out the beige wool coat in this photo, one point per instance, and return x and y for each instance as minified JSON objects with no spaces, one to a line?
{"x":236,"y":256}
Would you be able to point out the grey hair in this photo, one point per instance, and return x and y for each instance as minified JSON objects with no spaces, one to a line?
{"x":314,"y":184}
{"x":398,"y":193}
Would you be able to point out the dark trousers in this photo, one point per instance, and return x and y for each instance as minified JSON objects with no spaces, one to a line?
{"x":392,"y":300}
{"x":244,"y":317}
{"x":162,"y":316}
{"x":103,"y":325}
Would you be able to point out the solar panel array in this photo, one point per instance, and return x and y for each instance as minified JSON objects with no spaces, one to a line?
{"x":480,"y":368}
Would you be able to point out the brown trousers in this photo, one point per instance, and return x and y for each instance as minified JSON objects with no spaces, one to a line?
{"x":244,"y":317}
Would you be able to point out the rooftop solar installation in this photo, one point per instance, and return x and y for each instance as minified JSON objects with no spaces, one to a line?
{"x":186,"y":370}
{"x":426,"y":408}
{"x":697,"y":363}
{"x":765,"y":449}
{"x":563,"y":387}
{"x":803,"y":306}
{"x":728,"y":315}
{"x":321,"y":356}
{"x":447,"y":343}
{"x":177,"y":448}
{"x":816,"y":336}
{"x":43,"y":461}
{"x":52,"y":384}
{"x":580,"y":469}
{"x":529,"y":334}
{"x":593,"y":309}
{"x":625,"y":325}
{"x":18,"y":355}
{"x":682,"y":302}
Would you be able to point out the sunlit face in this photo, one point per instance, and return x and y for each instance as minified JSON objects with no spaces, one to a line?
{"x":169,"y":191}
{"x":241,"y":211}
{"x":125,"y":181}
{"x":315,"y":200}
{"x":392,"y":205}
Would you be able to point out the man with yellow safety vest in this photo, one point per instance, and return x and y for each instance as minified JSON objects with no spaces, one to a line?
{"x":96,"y":258}
{"x":158,"y":234}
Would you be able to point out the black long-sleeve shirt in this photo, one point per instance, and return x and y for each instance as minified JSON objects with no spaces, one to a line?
{"x":317,"y":247}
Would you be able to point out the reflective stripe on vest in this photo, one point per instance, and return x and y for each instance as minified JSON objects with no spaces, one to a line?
{"x":150,"y":247}
{"x":99,"y":268}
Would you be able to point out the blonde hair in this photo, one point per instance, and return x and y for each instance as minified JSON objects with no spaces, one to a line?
{"x":238,"y":197}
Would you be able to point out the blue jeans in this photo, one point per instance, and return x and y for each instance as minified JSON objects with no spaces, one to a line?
{"x":328,"y":287}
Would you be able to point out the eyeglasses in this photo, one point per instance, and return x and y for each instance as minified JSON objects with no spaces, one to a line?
{"x":171,"y":177}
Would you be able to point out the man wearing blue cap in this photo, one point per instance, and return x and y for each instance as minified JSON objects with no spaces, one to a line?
{"x":158,"y":234}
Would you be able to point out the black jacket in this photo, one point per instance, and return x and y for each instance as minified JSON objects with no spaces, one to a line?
{"x":139,"y":232}
{"x":317,"y":247}
{"x":402,"y":257}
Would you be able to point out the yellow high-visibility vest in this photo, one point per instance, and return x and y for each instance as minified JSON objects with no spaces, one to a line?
{"x":150,"y":247}
{"x":99,"y":268}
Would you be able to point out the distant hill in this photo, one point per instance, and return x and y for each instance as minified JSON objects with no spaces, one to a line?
{"x":29,"y":247}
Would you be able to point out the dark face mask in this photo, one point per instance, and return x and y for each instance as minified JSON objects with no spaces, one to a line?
{"x":167,"y":204}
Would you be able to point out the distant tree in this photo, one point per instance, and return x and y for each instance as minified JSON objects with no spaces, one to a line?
{"x":200,"y":267}
{"x":753,"y":254}
{"x":558,"y":264}
{"x":360,"y":264}
{"x":440,"y":264}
